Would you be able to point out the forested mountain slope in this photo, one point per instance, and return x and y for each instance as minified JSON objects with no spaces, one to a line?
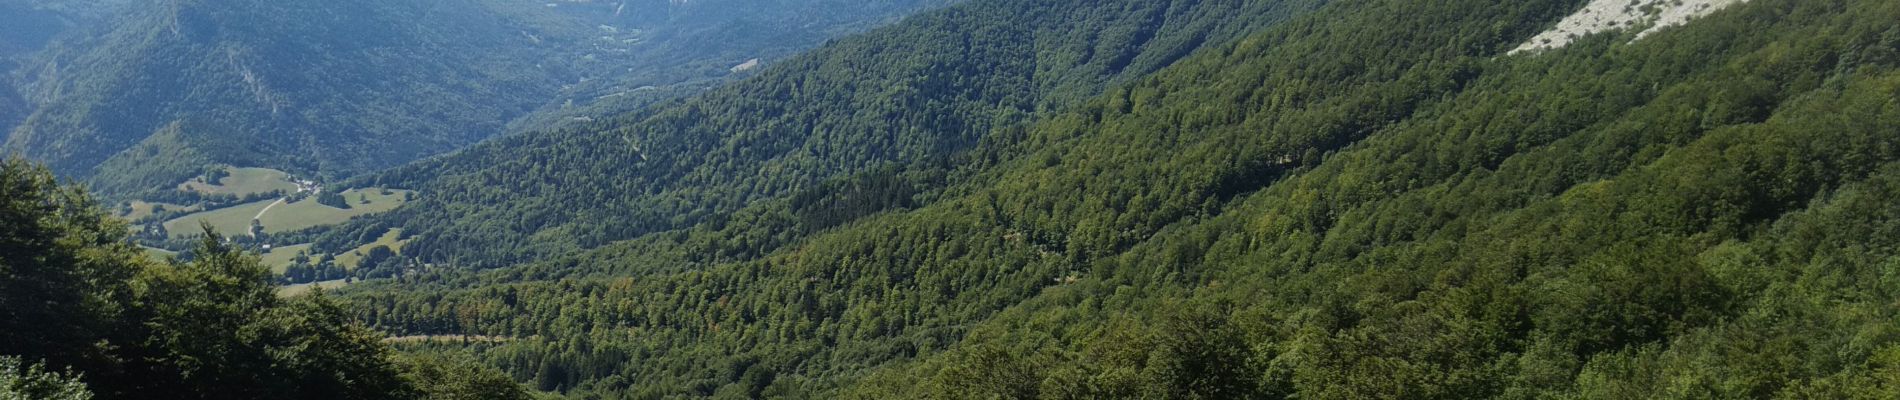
{"x":339,"y":88}
{"x":932,"y":85}
{"x":1370,"y":201}
{"x":26,"y":27}
{"x":12,"y":108}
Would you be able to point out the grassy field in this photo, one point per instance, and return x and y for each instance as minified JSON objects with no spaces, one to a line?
{"x":307,"y":213}
{"x":287,"y":217}
{"x":349,"y":259}
{"x":235,"y":220}
{"x":244,"y":181}
{"x":279,"y":258}
{"x":302,"y":288}
{"x":158,"y":253}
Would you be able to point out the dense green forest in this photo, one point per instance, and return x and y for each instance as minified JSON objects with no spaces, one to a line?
{"x":1182,"y":199}
{"x":931,"y":86}
{"x":142,"y":97}
{"x":1370,"y":200}
{"x":86,"y":315}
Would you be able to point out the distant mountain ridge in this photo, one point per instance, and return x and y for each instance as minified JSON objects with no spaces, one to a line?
{"x":343,"y":87}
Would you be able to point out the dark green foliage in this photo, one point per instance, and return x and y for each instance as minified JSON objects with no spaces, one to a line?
{"x":459,"y":378}
{"x":377,"y":255}
{"x":60,"y":258}
{"x":78,"y":297}
{"x":304,"y":270}
{"x":25,"y":382}
{"x":1370,"y":201}
{"x":214,"y":175}
{"x":333,"y":199}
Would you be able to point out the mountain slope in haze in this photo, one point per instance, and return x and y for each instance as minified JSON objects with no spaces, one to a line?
{"x":229,"y":67}
{"x":717,"y":36}
{"x":344,"y":87}
{"x":12,"y":107}
{"x":1369,"y":201}
{"x":933,"y":84}
{"x":27,"y":27}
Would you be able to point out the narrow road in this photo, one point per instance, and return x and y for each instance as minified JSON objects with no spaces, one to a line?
{"x":260,"y":213}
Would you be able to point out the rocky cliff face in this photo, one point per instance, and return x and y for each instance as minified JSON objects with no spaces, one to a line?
{"x":1648,"y":16}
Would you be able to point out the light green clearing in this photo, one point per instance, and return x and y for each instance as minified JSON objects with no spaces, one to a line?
{"x":349,"y":259}
{"x":279,"y":258}
{"x":244,"y":181}
{"x":158,"y":254}
{"x":303,"y":288}
{"x":307,"y":213}
{"x":229,"y":221}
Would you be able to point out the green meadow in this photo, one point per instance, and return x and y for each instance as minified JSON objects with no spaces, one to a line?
{"x":243,"y":181}
{"x":286,"y":217}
